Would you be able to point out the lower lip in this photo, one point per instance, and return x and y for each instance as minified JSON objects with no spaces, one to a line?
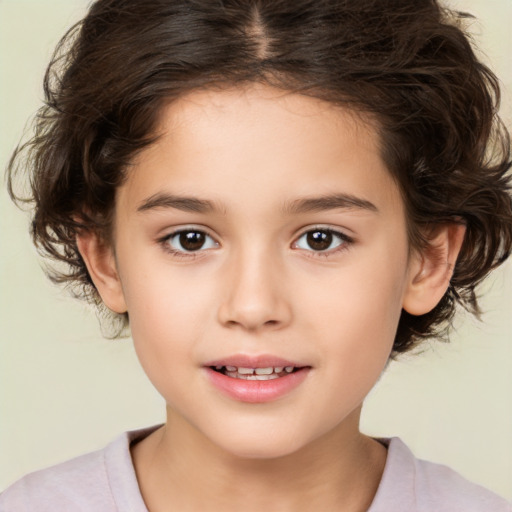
{"x":256,"y":391}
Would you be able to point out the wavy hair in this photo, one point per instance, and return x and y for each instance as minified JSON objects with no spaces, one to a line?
{"x":408,"y":63}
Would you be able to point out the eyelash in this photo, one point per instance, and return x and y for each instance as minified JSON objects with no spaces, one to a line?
{"x":344,"y":243}
{"x":164,"y":241}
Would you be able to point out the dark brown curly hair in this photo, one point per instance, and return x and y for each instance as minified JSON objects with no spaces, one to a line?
{"x":409,"y":63}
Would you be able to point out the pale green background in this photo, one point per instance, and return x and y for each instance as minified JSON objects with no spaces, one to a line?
{"x":64,"y":390}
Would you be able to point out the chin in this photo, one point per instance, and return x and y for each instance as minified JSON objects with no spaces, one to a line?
{"x":262,"y":450}
{"x":260,"y":443}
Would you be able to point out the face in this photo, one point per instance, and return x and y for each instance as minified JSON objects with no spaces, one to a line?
{"x":262,"y":252}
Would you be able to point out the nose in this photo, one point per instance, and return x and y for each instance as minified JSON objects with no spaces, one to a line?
{"x":254,"y":294}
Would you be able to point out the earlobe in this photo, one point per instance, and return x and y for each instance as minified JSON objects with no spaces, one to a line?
{"x":430,"y":270}
{"x":100,"y":262}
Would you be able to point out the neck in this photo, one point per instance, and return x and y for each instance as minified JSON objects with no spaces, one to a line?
{"x":179,"y":469}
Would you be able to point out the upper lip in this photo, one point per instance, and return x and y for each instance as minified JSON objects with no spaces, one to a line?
{"x":254,"y":361}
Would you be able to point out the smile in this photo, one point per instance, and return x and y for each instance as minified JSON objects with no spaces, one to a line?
{"x":268,"y":373}
{"x":255,"y":379}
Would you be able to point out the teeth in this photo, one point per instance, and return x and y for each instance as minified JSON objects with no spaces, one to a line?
{"x":265,"y":371}
{"x":268,"y":373}
{"x":255,"y":373}
{"x":261,"y":377}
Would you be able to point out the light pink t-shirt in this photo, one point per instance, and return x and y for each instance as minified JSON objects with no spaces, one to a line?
{"x":104,"y":481}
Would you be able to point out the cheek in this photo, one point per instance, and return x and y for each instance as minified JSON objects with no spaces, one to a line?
{"x":360,"y":343}
{"x":161,"y":299}
{"x":354,"y":328}
{"x":159,"y":313}
{"x":357,"y":309}
{"x":168,"y":320}
{"x":365,"y":296}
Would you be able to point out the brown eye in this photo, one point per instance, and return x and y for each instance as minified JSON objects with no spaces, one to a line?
{"x":322,"y":240}
{"x":319,"y":240}
{"x":189,"y":241}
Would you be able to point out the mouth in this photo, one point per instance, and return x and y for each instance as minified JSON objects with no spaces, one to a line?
{"x":261,"y":374}
{"x":256,"y":379}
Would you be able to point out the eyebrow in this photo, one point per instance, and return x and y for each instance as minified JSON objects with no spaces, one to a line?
{"x":330,"y":202}
{"x":186,"y":204}
{"x":304,"y":205}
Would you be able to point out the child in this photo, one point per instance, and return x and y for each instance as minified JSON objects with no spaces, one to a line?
{"x":279,"y":196}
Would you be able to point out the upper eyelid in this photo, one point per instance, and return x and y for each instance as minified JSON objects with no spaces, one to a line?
{"x":189,"y":255}
{"x":335,"y":230}
{"x":170,"y":232}
{"x":345,"y":244}
{"x":167,"y":236}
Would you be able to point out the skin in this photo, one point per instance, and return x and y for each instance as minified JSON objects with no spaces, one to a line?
{"x":257,"y":287}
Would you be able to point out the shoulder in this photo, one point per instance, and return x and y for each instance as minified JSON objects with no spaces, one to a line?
{"x":102,"y":481}
{"x":415,"y":485}
{"x":78,"y":484}
{"x":439,"y":486}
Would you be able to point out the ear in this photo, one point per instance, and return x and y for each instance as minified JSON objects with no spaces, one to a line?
{"x":430,"y":270}
{"x":100,"y":262}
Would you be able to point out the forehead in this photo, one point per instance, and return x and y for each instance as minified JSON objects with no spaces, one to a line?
{"x":261,"y":112}
{"x":241,"y":146}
